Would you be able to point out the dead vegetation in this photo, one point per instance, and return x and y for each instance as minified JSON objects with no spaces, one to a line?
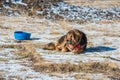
{"x":95,"y":3}
{"x":4,"y":27}
{"x":27,"y":49}
{"x":91,"y":67}
{"x":40,"y":8}
{"x":112,"y":34}
{"x":40,"y":65}
{"x":2,"y":78}
{"x":30,"y":9}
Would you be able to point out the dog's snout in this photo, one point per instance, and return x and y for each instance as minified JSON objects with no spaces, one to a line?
{"x":68,"y":42}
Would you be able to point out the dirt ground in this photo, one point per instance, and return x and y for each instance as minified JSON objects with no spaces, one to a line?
{"x":95,"y":3}
{"x":26,"y":60}
{"x":103,"y":43}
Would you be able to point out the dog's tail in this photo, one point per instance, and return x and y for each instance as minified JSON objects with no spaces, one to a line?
{"x":50,"y":46}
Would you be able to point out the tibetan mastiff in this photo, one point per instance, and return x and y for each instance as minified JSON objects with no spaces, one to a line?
{"x":74,"y":41}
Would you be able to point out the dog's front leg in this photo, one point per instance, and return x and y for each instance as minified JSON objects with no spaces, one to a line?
{"x":64,"y":49}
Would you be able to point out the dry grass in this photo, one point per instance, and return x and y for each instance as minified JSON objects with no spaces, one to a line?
{"x":90,"y":44}
{"x":105,"y":22}
{"x":91,"y":67}
{"x":15,"y":77}
{"x":106,"y":42}
{"x":64,"y":25}
{"x":9,"y":46}
{"x":55,"y":32}
{"x":1,"y":59}
{"x":95,"y":3}
{"x":82,"y":77}
{"x":4,"y":27}
{"x":2,"y":78}
{"x":39,"y":64}
{"x":112,"y":34}
{"x":31,"y":7}
{"x":30,"y":52}
{"x":24,"y":50}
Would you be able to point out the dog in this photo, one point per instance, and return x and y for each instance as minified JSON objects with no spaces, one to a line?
{"x":74,"y":41}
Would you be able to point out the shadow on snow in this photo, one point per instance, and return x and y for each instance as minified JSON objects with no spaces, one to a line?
{"x":99,"y":49}
{"x":102,"y":49}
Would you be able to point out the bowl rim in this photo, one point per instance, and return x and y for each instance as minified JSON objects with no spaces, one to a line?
{"x":19,"y":32}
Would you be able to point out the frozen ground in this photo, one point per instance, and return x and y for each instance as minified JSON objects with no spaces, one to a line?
{"x":103,"y":46}
{"x":103,"y":41}
{"x":12,"y":68}
{"x":68,"y":11}
{"x":85,"y":13}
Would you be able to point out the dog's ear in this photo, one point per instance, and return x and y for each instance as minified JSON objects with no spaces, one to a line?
{"x":78,"y":35}
{"x":65,"y":38}
{"x":83,"y":39}
{"x":73,"y":37}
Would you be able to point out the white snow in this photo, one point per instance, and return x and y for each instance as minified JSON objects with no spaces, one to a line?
{"x":99,"y":51}
{"x":13,"y":68}
{"x":102,"y":48}
{"x":72,"y":12}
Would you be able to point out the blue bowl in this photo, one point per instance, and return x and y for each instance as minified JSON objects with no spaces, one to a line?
{"x":20,"y":35}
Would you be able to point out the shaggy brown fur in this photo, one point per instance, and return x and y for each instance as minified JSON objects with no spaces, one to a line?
{"x":74,"y":41}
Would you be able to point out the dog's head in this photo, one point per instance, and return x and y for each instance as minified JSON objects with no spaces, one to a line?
{"x":74,"y":38}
